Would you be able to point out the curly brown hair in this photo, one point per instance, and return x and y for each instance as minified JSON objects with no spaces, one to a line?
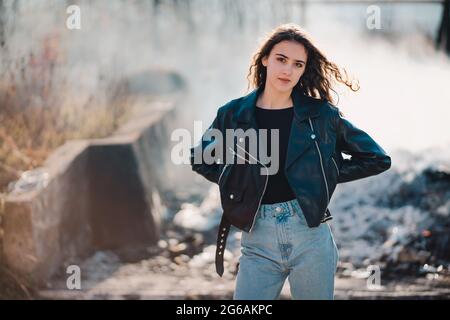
{"x":320,"y":73}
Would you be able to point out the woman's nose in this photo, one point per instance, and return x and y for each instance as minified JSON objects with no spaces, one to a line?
{"x":287,"y":70}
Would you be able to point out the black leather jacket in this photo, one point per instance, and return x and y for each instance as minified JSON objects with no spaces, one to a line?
{"x":314,"y":163}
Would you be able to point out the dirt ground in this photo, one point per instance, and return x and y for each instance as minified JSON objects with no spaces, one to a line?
{"x":104,"y":276}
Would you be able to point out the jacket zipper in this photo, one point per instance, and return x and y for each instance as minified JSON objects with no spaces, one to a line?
{"x":223,"y":170}
{"x":321,"y":164}
{"x":265,"y":184}
{"x":337,"y":169}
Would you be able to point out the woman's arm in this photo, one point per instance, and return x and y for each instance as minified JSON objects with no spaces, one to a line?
{"x":209,"y":171}
{"x":367,"y":157}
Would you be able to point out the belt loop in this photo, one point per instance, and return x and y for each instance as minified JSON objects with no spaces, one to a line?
{"x":295,"y":205}
{"x":290,"y":208}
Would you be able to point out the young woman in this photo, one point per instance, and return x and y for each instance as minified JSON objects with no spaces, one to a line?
{"x":283,"y":214}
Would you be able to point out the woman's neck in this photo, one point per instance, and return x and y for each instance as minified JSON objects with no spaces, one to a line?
{"x":274,"y":99}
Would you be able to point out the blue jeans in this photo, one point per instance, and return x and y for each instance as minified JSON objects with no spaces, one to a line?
{"x":282,"y":245}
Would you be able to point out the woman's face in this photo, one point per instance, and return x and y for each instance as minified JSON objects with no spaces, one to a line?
{"x":286,"y":61}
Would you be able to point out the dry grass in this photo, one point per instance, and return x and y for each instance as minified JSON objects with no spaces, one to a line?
{"x":14,"y":287}
{"x":37,"y":115}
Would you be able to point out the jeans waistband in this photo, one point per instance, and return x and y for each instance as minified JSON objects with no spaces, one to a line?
{"x":286,"y":208}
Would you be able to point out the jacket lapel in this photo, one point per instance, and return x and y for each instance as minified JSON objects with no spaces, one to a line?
{"x":245,"y":116}
{"x":300,"y":136}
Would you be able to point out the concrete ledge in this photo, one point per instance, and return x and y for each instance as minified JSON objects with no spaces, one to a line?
{"x":99,"y":194}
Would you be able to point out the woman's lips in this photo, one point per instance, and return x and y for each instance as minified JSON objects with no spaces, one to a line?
{"x":284,"y":80}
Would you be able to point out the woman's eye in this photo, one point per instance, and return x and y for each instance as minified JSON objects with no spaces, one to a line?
{"x":300,"y":65}
{"x":281,"y":59}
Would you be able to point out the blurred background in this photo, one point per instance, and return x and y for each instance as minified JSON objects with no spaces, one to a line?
{"x":86,"y":122}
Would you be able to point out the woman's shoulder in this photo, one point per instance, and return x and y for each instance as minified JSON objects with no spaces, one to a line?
{"x":327,"y":107}
{"x":232,"y":106}
{"x":229,"y":113}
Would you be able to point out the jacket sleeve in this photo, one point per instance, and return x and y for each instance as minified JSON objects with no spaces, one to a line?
{"x":210,"y":171}
{"x":367,"y":157}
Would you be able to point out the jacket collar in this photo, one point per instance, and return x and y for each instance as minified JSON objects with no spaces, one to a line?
{"x":304,"y":107}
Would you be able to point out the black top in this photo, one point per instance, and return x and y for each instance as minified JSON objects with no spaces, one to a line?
{"x":278,"y":189}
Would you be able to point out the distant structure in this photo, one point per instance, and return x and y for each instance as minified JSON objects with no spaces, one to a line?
{"x":443,"y":34}
{"x":443,"y":37}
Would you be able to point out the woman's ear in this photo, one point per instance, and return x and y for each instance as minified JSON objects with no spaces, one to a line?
{"x":264,"y":61}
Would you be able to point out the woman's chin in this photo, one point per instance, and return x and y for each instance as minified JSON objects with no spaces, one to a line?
{"x":283,"y":88}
